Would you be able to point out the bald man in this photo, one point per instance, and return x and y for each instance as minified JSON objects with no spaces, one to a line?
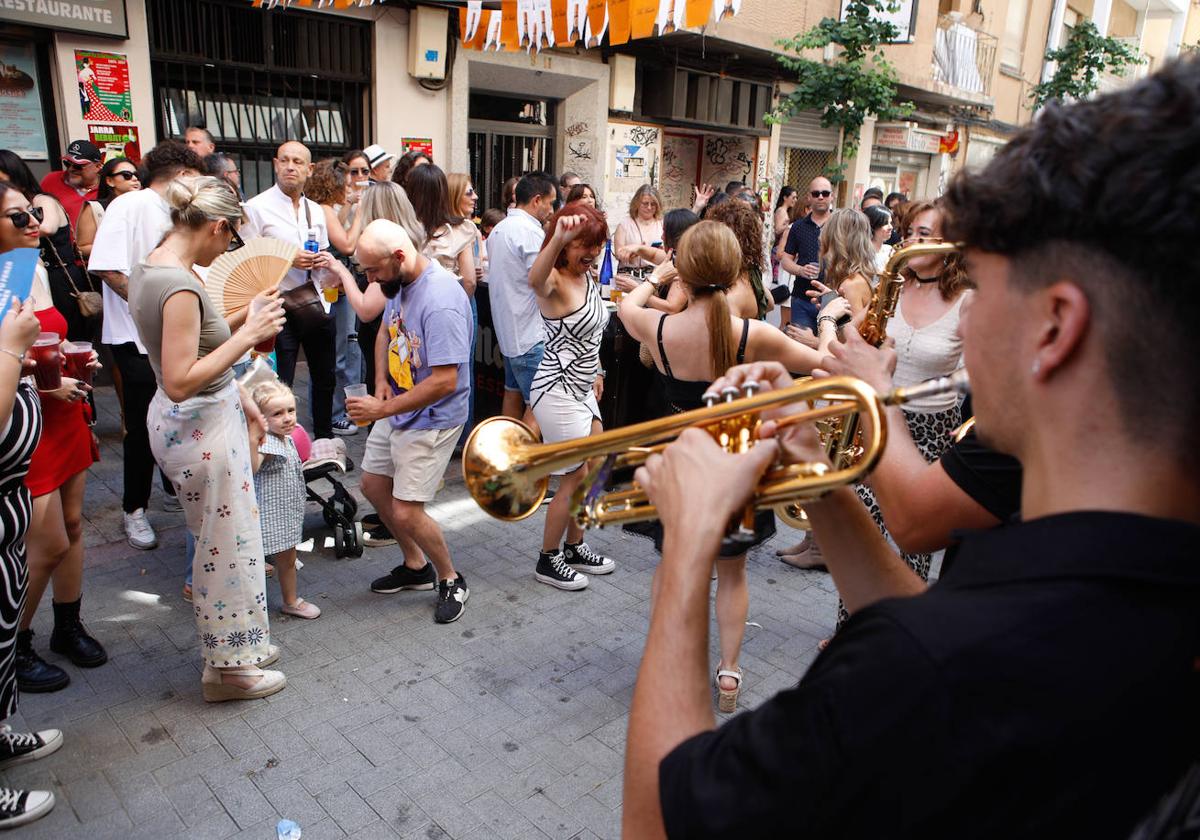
{"x":421,"y":402}
{"x":282,"y":212}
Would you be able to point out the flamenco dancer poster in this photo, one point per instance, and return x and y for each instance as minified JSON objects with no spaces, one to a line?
{"x":104,"y":94}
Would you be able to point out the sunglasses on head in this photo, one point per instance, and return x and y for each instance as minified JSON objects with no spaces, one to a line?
{"x":20,"y":219}
{"x":821,"y":193}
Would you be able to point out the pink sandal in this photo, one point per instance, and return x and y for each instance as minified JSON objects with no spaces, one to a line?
{"x":302,"y":609}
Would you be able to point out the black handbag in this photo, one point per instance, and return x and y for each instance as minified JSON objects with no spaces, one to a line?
{"x":303,"y":304}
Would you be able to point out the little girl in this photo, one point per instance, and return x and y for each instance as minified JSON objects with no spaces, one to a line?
{"x":279,"y":486}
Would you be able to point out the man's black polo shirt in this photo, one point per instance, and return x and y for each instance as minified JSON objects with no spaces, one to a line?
{"x":1046,"y":689}
{"x":804,"y":245}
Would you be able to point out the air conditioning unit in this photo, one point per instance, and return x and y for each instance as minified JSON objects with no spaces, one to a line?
{"x":622,"y":82}
{"x":427,"y":42}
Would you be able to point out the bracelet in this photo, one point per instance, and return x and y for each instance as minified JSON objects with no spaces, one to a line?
{"x":20,"y":357}
{"x":828,"y":318}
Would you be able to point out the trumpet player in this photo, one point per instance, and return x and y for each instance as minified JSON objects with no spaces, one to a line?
{"x":1047,"y":685}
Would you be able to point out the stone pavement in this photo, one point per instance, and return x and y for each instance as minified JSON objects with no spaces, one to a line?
{"x":509,"y":723}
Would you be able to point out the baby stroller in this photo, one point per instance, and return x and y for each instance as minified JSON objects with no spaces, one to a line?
{"x":328,"y":462}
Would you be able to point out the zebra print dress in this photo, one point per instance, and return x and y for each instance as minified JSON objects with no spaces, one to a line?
{"x":17,"y":443}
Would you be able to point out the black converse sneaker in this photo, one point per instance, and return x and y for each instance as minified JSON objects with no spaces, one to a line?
{"x":452,"y":600}
{"x":18,"y":807}
{"x":19,"y":747}
{"x":552,"y":569}
{"x":581,"y":558}
{"x":403,"y":577}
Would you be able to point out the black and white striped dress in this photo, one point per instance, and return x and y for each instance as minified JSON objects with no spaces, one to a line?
{"x":561,"y":394}
{"x":17,"y":442}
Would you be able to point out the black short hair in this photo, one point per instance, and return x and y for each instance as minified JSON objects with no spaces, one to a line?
{"x":675,"y":223}
{"x":877,"y":215}
{"x":873,"y":192}
{"x":894,"y":196}
{"x":1108,"y":192}
{"x":714,"y":202}
{"x":168,"y":159}
{"x":735,"y":186}
{"x":533,"y":184}
{"x":19,"y":173}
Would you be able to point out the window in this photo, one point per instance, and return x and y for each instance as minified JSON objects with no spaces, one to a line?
{"x":1013,"y":44}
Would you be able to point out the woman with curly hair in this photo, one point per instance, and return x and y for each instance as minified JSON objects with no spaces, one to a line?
{"x":748,"y":298}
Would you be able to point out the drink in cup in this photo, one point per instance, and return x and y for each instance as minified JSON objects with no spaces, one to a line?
{"x":359,"y":390}
{"x":49,"y":360}
{"x":79,"y":357}
{"x":266,"y":345}
{"x":331,"y":294}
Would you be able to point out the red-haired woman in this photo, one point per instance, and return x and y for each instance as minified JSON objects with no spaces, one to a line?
{"x":568,"y":382}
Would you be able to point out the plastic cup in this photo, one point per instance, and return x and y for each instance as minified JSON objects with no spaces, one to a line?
{"x":49,"y":360}
{"x":331,"y":294}
{"x":268,"y":344}
{"x":79,"y":356}
{"x":358,"y":390}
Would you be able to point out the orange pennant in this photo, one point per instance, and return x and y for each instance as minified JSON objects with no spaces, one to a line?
{"x":509,"y":39}
{"x":618,"y":22}
{"x":595,"y":14}
{"x":697,"y":12}
{"x":643,"y":15}
{"x":558,"y":13}
{"x":481,"y":31}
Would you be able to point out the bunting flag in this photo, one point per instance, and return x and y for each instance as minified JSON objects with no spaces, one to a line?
{"x":576,"y":20}
{"x":469,"y":21}
{"x":722,"y":9}
{"x":597,"y":22}
{"x":642,"y":15}
{"x":510,"y":34}
{"x":495,"y":27}
{"x":697,"y":12}
{"x":560,"y":25}
{"x":618,"y":22}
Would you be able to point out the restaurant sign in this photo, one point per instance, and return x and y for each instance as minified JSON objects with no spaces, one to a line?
{"x":95,"y":17}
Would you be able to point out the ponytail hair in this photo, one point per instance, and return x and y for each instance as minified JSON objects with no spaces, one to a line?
{"x":709,"y":261}
{"x":197,"y":201}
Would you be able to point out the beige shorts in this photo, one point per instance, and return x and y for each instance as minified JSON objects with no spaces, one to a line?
{"x":416,"y":459}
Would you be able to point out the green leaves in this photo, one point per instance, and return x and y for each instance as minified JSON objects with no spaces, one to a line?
{"x":1080,"y":61}
{"x":855,"y":84}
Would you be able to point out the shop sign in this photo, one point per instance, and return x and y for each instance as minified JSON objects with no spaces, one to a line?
{"x":907,"y":139}
{"x":22,"y":128}
{"x":104,"y":92}
{"x":94,"y":17}
{"x":116,"y":141}
{"x":424,"y":145}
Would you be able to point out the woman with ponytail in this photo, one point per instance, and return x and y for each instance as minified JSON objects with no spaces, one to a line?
{"x":690,"y":350}
{"x":198,"y":432}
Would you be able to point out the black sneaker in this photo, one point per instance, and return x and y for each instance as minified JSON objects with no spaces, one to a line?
{"x":18,"y":807}
{"x":452,"y":600}
{"x":34,"y":674}
{"x":403,"y":577}
{"x":19,"y":747}
{"x":552,"y":569}
{"x":582,"y":559}
{"x":377,"y":536}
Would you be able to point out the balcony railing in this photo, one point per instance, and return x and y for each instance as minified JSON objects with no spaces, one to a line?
{"x":963,"y":57}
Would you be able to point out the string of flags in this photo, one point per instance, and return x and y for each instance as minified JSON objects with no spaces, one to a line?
{"x":539,"y":24}
{"x":313,"y":4}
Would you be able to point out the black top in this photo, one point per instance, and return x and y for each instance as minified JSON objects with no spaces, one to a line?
{"x":63,"y":268}
{"x":804,"y":246}
{"x":686,"y":394}
{"x":1046,"y":689}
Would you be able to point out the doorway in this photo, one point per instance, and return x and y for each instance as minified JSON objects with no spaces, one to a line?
{"x":507,"y":137}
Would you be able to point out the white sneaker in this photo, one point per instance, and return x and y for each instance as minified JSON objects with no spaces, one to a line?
{"x":138,"y":530}
{"x":18,"y":807}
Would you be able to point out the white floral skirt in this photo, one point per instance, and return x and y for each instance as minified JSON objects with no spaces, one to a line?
{"x":202,"y":446}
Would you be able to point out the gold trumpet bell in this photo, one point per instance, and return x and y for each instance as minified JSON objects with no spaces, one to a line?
{"x":492,"y":469}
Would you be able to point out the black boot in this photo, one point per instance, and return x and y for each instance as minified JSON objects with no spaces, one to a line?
{"x":34,"y":674}
{"x":71,"y":639}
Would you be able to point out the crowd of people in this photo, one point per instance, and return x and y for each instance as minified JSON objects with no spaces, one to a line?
{"x":390,"y":252}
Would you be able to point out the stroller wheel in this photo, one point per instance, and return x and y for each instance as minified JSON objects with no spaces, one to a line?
{"x":329,"y":514}
{"x":354,"y":540}
{"x":339,"y":543}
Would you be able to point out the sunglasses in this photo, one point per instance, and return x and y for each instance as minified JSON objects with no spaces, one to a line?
{"x":127,"y":174}
{"x":20,"y":219}
{"x":820,"y":193}
{"x":362,"y":171}
{"x":470,"y":193}
{"x":235,"y":241}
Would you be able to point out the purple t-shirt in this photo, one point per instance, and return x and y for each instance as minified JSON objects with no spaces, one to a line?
{"x":428,"y":325}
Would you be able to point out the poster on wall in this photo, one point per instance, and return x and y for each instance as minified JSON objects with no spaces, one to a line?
{"x":424,"y":145}
{"x":104,"y":92}
{"x":632,"y":160}
{"x":22,"y":128}
{"x":116,"y":141}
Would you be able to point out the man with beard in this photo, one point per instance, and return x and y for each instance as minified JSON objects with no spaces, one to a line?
{"x":79,"y":179}
{"x":421,"y":392}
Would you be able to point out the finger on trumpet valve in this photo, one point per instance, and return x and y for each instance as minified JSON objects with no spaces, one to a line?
{"x":750,"y":388}
{"x":729,"y":393}
{"x":710,"y":399}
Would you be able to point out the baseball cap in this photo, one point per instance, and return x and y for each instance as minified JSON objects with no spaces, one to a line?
{"x":376,"y":155}
{"x":81,"y":151}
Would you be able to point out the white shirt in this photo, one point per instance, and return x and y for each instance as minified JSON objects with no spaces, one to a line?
{"x":513,"y":245}
{"x":271,"y":213}
{"x":933,"y":350}
{"x":132,"y":227}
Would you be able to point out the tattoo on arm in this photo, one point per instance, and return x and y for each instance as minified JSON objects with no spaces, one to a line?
{"x":116,"y":281}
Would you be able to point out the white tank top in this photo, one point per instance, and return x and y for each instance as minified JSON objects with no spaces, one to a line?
{"x":932,"y":350}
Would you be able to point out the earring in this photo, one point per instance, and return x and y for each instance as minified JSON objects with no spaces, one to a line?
{"x":1036,"y":368}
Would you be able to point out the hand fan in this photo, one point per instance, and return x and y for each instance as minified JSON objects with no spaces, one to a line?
{"x":234,"y":278}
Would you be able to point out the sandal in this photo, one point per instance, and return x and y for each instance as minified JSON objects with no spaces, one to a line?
{"x":217,"y":691}
{"x":727,"y":698}
{"x":301,"y":609}
{"x":187,"y":592}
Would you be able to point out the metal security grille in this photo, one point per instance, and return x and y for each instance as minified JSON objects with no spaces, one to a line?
{"x":257,"y":78}
{"x":800,"y":166}
{"x":507,"y":136}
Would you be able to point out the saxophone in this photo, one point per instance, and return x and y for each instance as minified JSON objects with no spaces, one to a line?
{"x":841,"y":435}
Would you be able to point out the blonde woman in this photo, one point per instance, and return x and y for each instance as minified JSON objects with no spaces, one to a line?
{"x":849,"y":259}
{"x":198,"y":433}
{"x":690,"y":350}
{"x":638,"y":240}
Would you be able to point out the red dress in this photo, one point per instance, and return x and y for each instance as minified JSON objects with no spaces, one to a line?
{"x":66,"y":447}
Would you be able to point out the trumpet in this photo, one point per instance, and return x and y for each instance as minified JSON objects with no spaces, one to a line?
{"x":507,"y":471}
